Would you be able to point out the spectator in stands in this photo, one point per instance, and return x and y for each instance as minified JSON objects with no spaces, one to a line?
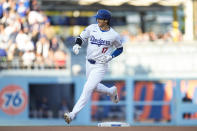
{"x":42,"y":51}
{"x":14,"y":27}
{"x":21,"y":40}
{"x":44,"y":109}
{"x":6,"y":5}
{"x":35,"y":34}
{"x":35,"y":17}
{"x":3,"y":37}
{"x":20,"y":27}
{"x":48,"y":30}
{"x":34,"y":5}
{"x":4,"y":18}
{"x":60,"y":59}
{"x":187,"y":99}
{"x":29,"y":55}
{"x":175,"y":32}
{"x":152,"y":36}
{"x":57,"y":53}
{"x":167,"y":37}
{"x":22,"y":8}
{"x":54,"y":44}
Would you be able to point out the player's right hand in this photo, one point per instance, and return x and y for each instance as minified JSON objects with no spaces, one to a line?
{"x":76,"y":48}
{"x":105,"y":59}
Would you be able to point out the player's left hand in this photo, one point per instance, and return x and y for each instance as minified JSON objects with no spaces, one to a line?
{"x":76,"y":48}
{"x":106,"y":58}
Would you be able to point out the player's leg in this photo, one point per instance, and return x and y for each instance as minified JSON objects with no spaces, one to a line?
{"x":101,"y":88}
{"x":112,"y":92}
{"x":95,"y":77}
{"x":69,"y":116}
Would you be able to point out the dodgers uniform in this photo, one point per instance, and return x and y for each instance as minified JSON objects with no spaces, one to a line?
{"x":101,"y":49}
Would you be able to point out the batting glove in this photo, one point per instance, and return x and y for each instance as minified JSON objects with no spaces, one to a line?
{"x":106,"y":58}
{"x":76,"y":48}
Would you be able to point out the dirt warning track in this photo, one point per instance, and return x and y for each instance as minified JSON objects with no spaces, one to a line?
{"x":91,"y":128}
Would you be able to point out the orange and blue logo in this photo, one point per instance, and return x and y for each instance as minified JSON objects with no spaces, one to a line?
{"x":13,"y":99}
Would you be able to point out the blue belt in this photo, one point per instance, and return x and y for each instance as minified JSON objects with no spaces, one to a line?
{"x":92,"y":61}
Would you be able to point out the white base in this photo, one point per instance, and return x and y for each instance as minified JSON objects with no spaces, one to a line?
{"x":113,"y":124}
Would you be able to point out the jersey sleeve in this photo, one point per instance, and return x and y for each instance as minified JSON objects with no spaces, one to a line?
{"x":117,"y":43}
{"x":85,"y":34}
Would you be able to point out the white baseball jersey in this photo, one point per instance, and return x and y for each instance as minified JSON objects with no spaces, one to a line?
{"x":100,"y":42}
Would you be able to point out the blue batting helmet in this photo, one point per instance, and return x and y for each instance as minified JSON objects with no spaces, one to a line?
{"x":103,"y":14}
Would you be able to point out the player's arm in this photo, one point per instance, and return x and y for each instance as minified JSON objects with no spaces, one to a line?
{"x":119,"y":48}
{"x":117,"y":52}
{"x":79,"y":40}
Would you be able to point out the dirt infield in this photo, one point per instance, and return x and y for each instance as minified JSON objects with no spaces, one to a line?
{"x":87,"y":128}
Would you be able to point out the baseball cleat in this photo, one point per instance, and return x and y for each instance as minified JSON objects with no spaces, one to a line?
{"x":67,"y":118}
{"x":114,"y":96}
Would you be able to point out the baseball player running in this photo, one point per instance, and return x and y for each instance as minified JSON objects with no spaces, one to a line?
{"x":104,"y":44}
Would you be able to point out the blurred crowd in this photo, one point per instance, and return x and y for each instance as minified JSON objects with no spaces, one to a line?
{"x":173,"y":35}
{"x":27,"y":39}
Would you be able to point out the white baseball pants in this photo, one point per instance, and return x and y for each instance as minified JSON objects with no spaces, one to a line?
{"x":94,"y":74}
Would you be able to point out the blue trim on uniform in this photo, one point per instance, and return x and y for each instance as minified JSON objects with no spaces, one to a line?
{"x":92,"y":61}
{"x":117,"y":52}
{"x":104,"y":30}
